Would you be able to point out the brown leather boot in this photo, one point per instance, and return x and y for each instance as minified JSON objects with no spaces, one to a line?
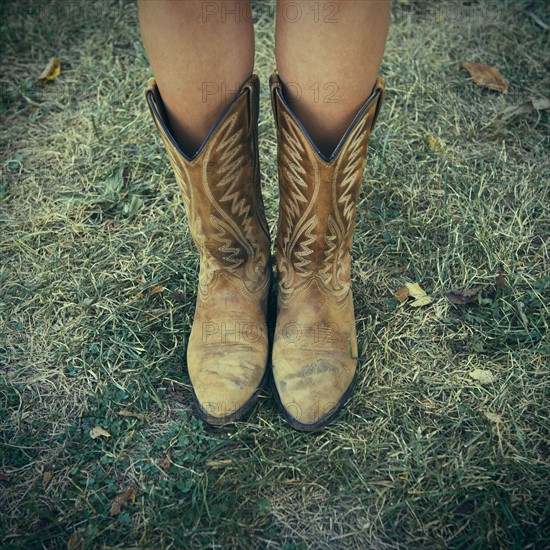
{"x":315,"y":347}
{"x":228,"y":346}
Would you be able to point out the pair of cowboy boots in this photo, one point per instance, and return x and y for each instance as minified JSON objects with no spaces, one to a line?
{"x":314,"y":355}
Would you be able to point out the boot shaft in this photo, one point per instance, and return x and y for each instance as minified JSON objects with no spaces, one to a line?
{"x":318,"y":197}
{"x":220,"y":185}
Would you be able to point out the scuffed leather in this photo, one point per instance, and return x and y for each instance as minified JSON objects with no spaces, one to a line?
{"x":228,"y":345}
{"x":315,"y":346}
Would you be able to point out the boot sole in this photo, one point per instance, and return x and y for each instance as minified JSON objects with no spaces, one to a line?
{"x":296,"y":424}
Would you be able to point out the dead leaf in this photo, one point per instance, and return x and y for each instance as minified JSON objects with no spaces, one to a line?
{"x":501,"y":281}
{"x":75,"y":542}
{"x":421,"y":298}
{"x":166,"y":462}
{"x":422,"y":301}
{"x":415,"y":290}
{"x":482,"y":376}
{"x":495,"y":418}
{"x":178,"y":296}
{"x":126,"y":497}
{"x":157,"y":290}
{"x":540,"y":103}
{"x":98,"y":431}
{"x":436,"y":145}
{"x":139,"y":416}
{"x":533,"y":105}
{"x":463,"y":295}
{"x":52,"y":71}
{"x":514,"y":111}
{"x":492,"y":292}
{"x":486,"y":76}
{"x":402,"y":294}
{"x":3,"y":476}
{"x":46,"y":479}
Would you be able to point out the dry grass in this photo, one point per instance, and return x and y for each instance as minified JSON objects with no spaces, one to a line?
{"x":91,"y":221}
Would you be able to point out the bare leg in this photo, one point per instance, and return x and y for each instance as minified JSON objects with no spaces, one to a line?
{"x":201,"y":53}
{"x":328,"y":57}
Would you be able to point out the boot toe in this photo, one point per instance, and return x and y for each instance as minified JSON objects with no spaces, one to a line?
{"x":313,"y":393}
{"x":225,"y":391}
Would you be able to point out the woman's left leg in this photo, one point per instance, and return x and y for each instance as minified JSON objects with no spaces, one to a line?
{"x":326,"y":99}
{"x":328,"y":56}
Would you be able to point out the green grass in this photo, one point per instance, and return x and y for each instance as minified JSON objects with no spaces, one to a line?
{"x":91,"y":220}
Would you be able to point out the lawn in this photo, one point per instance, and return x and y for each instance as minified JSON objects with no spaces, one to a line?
{"x":445,"y":441}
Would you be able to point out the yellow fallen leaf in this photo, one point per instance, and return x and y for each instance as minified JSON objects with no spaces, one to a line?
{"x":482,"y":376}
{"x":52,"y":71}
{"x":417,"y":292}
{"x":157,"y":290}
{"x":494,"y":417}
{"x":98,"y":431}
{"x":128,"y":496}
{"x":435,"y":145}
{"x":125,"y":412}
{"x":486,"y":76}
{"x":46,"y":479}
{"x":422,"y":301}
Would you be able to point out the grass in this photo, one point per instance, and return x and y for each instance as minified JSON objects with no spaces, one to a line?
{"x":91,"y":222}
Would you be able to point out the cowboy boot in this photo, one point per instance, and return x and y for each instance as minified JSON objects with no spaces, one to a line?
{"x":314,"y":355}
{"x":228,"y":345}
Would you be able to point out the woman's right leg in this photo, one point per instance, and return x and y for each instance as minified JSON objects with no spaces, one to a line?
{"x":202,"y":57}
{"x":201,"y":53}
